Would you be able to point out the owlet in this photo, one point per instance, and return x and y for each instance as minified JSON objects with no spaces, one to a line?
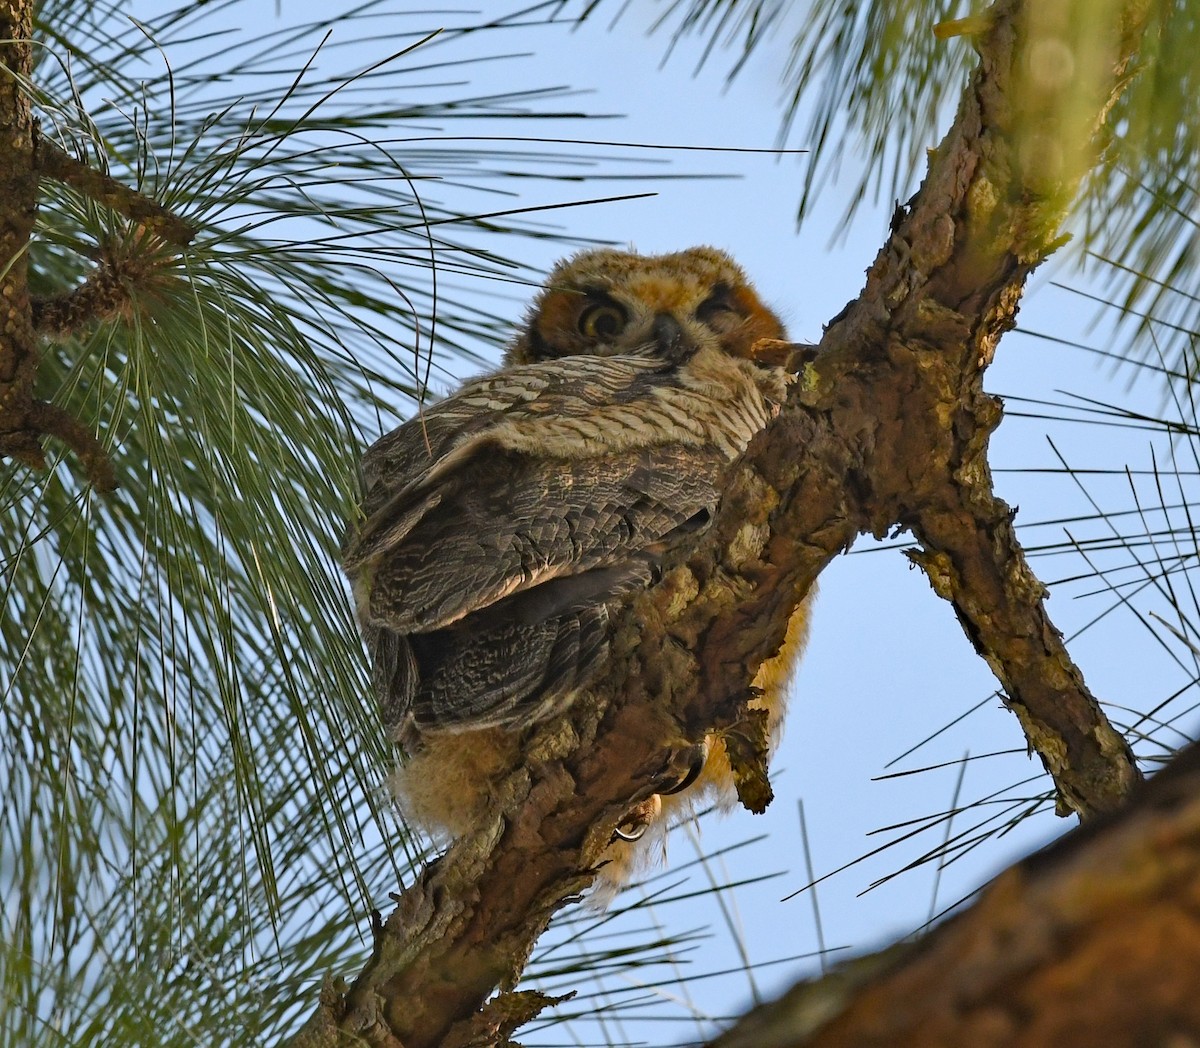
{"x":502,"y":525}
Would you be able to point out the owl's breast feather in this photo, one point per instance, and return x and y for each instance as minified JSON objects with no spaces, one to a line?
{"x":714,"y":400}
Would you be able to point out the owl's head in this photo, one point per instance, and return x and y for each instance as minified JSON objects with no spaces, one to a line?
{"x":606,"y":303}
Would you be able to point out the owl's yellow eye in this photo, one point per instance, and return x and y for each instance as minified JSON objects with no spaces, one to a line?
{"x":602,"y":320}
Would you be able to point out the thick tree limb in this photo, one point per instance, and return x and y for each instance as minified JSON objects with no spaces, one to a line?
{"x":887,"y":427}
{"x":25,"y":420}
{"x":1094,"y":941}
{"x":973,"y":559}
{"x":988,"y":213}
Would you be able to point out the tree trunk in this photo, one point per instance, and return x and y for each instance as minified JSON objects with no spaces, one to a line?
{"x":19,"y":429}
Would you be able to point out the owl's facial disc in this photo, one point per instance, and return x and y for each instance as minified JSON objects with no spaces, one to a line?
{"x":618,"y":320}
{"x":607,"y":302}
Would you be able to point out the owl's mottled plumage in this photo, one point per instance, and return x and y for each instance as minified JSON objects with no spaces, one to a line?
{"x":501,"y":523}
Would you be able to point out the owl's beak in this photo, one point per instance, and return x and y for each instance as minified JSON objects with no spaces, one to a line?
{"x":669,"y":337}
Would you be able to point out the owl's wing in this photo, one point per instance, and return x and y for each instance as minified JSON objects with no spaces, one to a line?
{"x":508,"y":668}
{"x":573,"y":387}
{"x":494,"y":605}
{"x":500,"y":522}
{"x":549,"y":409}
{"x":506,"y":522}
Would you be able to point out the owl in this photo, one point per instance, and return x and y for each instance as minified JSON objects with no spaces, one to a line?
{"x":501,"y":526}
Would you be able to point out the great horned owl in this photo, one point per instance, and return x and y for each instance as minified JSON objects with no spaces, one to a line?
{"x":501,"y":524}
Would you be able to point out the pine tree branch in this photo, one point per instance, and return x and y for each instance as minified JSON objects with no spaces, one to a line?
{"x":55,"y":162}
{"x":951,"y":276}
{"x":1094,"y":941}
{"x":973,"y":559}
{"x":52,"y":421}
{"x":888,"y":426}
{"x":892,"y":420}
{"x":26,"y":421}
{"x":106,"y":294}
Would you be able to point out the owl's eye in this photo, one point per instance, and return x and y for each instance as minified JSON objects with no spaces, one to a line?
{"x":718,"y":310}
{"x":602,"y":320}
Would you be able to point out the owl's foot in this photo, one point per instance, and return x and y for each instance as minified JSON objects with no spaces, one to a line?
{"x":635,"y":822}
{"x":694,"y":758}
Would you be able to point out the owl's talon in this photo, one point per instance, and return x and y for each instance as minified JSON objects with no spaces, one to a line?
{"x":635,"y":822}
{"x":696,"y":761}
{"x":636,"y":833}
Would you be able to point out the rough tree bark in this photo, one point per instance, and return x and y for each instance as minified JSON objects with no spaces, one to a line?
{"x":18,"y":191}
{"x":887,"y":427}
